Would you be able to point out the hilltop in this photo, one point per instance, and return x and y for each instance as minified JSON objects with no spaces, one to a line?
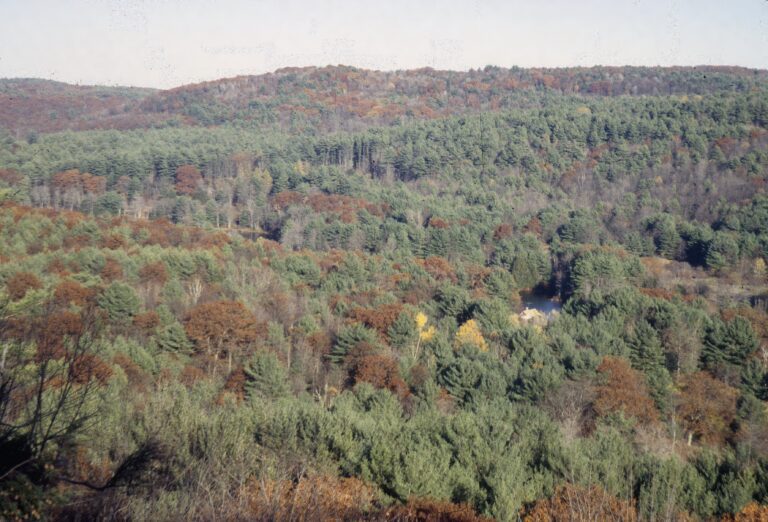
{"x":346,"y":98}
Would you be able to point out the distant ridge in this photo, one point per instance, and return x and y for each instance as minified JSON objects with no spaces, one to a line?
{"x":341,"y":97}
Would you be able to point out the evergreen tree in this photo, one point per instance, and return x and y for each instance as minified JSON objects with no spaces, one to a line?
{"x":119,"y":301}
{"x":266,"y":377}
{"x":728,"y":343}
{"x":647,"y":355}
{"x":403,"y":331}
{"x":350,"y":337}
{"x":173,"y":338}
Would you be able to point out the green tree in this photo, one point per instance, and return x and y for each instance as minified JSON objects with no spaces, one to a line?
{"x":265,"y":376}
{"x":728,"y":343}
{"x":403,"y":333}
{"x":119,"y":301}
{"x":173,"y":338}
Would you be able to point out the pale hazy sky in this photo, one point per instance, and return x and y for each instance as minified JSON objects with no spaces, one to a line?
{"x":165,"y":43}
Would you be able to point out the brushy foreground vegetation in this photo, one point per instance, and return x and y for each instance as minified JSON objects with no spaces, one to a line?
{"x":262,"y":319}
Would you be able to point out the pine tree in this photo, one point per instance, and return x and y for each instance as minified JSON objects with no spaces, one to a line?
{"x":403,"y":332}
{"x":349,"y":338}
{"x":173,"y":338}
{"x":119,"y":301}
{"x":729,"y":343}
{"x":266,"y":377}
{"x":647,"y":355}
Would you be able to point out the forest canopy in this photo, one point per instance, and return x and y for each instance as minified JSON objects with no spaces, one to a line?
{"x":316,"y":294}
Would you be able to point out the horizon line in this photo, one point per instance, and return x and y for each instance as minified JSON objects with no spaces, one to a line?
{"x":289,"y":68}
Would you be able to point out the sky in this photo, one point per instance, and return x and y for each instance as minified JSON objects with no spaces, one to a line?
{"x":166,"y":43}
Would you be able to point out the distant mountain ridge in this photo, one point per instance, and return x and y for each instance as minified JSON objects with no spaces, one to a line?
{"x":336,"y":98}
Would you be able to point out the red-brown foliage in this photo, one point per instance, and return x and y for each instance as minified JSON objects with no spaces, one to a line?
{"x":160,"y":232}
{"x":113,"y":241}
{"x":88,"y":366}
{"x":285,"y":199}
{"x":503,"y":231}
{"x":20,"y":283}
{"x":10,"y":176}
{"x":76,"y":242}
{"x":380,"y":318}
{"x":147,"y":321}
{"x":439,"y":268}
{"x":624,"y":390}
{"x":437,"y":222}
{"x":53,"y":333}
{"x":430,"y":510}
{"x":235,"y":383}
{"x":319,"y":497}
{"x":707,"y":408}
{"x":57,"y":266}
{"x":67,"y":179}
{"x":752,"y":512}
{"x":346,"y":207}
{"x":191,"y":375}
{"x":133,"y":372}
{"x":477,"y":275}
{"x":112,"y":270}
{"x":222,"y":325}
{"x":71,"y":292}
{"x":658,"y":293}
{"x":93,"y":184}
{"x":214,"y":240}
{"x":153,"y":273}
{"x":578,"y":504}
{"x":332,"y":260}
{"x":188,"y":179}
{"x":379,"y":370}
{"x":321,"y":342}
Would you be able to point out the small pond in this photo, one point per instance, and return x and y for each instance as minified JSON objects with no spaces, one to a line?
{"x":542,"y":302}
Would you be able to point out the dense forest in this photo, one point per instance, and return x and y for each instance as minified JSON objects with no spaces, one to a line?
{"x":315,"y":295}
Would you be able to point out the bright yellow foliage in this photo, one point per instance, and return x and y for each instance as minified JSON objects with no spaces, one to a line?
{"x":760,"y":269}
{"x":469,"y":333}
{"x":427,"y":334}
{"x":421,"y":321}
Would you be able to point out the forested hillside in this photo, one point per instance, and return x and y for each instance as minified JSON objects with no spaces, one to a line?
{"x":304,"y":295}
{"x":339,"y":98}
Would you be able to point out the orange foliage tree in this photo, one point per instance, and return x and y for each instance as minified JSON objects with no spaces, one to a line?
{"x":380,"y":319}
{"x":752,"y":512}
{"x":112,"y":270}
{"x":153,"y":276}
{"x":439,"y":268}
{"x":71,"y":292}
{"x":222,"y":326}
{"x":706,"y":408}
{"x":153,"y":273}
{"x":20,"y":283}
{"x":623,"y":389}
{"x":10,"y":176}
{"x":311,"y":498}
{"x":188,"y":179}
{"x":426,"y":509}
{"x":380,"y":371}
{"x":147,"y":321}
{"x":578,"y":504}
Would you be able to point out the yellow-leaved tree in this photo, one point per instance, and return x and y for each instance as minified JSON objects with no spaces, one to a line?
{"x":425,"y":333}
{"x":469,"y":333}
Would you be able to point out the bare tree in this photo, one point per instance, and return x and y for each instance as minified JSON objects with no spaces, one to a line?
{"x":49,"y":375}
